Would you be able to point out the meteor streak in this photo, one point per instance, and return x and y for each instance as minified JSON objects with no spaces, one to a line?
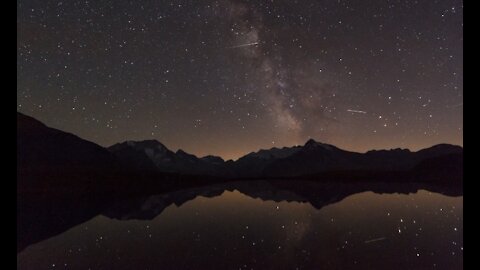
{"x":356,"y":111}
{"x":375,"y":240}
{"x":244,"y":45}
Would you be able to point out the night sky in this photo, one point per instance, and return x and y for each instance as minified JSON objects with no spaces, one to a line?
{"x":228,"y":77}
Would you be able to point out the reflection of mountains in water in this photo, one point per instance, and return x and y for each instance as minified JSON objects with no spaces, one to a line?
{"x":46,"y":217}
{"x":318,"y":195}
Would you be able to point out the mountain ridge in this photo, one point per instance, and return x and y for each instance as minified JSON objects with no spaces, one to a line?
{"x":299,"y":160}
{"x":152,"y":156}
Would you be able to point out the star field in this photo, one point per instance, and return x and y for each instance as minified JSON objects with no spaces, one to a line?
{"x":229,"y":77}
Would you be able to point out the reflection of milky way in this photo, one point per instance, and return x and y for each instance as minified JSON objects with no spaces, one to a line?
{"x":228,"y":77}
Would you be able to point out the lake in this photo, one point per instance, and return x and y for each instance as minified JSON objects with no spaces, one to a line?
{"x":262,"y":225}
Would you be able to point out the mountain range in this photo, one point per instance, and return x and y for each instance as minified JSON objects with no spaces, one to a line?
{"x":311,"y":158}
{"x":43,"y":153}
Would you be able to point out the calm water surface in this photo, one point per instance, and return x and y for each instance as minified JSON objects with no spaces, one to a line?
{"x":263,"y":229}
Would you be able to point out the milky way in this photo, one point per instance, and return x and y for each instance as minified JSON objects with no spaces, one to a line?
{"x":229,"y":77}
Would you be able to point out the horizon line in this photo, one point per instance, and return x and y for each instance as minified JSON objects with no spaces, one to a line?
{"x":245,"y":153}
{"x":281,"y":147}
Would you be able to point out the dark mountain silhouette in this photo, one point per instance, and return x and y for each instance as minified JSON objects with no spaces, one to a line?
{"x":316,"y":157}
{"x":153,"y":155}
{"x":45,"y":154}
{"x":53,"y":161}
{"x":213,"y":159}
{"x":253,"y":164}
{"x":312,"y":158}
{"x":139,"y":161}
{"x":49,"y":159}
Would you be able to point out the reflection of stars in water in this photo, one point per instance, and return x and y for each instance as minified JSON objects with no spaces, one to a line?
{"x":290,"y":233}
